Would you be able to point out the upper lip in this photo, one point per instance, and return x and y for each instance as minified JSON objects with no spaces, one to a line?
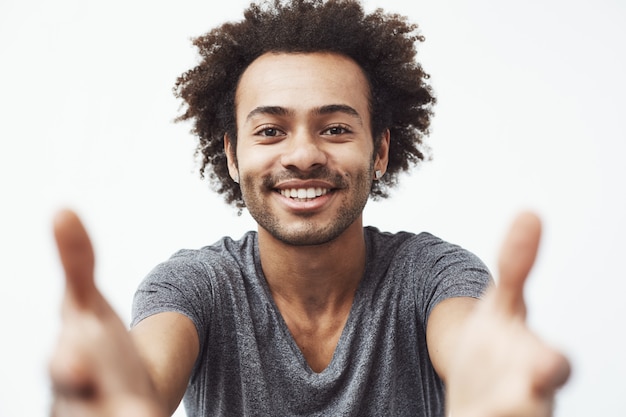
{"x":298,"y":184}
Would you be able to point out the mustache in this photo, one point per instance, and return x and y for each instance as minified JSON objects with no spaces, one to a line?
{"x":321,"y":173}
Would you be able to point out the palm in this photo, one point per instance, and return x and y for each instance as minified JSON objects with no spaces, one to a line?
{"x":95,"y":369}
{"x":501,"y":368}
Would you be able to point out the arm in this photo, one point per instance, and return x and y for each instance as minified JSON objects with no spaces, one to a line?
{"x":98,"y":369}
{"x":492,"y":363}
{"x":168,"y":345}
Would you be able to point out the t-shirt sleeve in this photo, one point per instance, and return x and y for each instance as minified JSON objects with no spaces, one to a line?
{"x":181,"y":284}
{"x":444,"y":270}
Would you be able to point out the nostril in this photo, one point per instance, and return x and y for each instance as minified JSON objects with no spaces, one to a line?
{"x":304,"y":157}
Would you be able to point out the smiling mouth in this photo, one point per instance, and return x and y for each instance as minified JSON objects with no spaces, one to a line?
{"x":304,"y":194}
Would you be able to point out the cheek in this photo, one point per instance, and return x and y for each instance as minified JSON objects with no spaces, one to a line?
{"x":254,"y":159}
{"x":353,"y":160}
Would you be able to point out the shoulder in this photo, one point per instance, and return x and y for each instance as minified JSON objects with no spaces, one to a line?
{"x":431,"y":267}
{"x":403,"y":244}
{"x":226,"y":253}
{"x":194,"y":273}
{"x":428,"y":260}
{"x":191,"y":278}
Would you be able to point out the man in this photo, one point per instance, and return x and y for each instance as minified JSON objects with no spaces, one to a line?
{"x":303,"y":110}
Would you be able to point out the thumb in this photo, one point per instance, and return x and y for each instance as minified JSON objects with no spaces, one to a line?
{"x":517,"y":257}
{"x":77,"y":257}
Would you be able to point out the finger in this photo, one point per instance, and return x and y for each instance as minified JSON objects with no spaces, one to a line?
{"x":76,"y":255}
{"x":552,"y":372}
{"x":517,"y":257}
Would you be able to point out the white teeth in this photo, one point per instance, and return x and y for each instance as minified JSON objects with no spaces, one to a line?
{"x":303,"y":193}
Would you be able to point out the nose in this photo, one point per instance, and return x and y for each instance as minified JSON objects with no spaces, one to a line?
{"x":304,"y":152}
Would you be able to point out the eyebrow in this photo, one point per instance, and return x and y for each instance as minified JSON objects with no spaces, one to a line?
{"x":339,"y":108}
{"x":269,"y":110}
{"x":320,"y":111}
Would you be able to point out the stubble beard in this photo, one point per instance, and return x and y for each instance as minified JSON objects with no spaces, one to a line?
{"x":309,"y":232}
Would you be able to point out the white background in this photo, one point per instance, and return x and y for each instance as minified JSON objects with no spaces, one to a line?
{"x":531,"y":109}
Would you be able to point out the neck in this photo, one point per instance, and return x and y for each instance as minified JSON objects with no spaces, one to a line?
{"x":314,"y":279}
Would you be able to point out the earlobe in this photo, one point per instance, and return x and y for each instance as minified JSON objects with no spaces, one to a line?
{"x":382,"y":155}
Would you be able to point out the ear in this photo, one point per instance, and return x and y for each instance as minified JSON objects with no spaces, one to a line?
{"x":381,"y":158}
{"x":231,"y":158}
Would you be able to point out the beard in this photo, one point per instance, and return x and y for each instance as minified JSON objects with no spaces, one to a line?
{"x":308,"y":229}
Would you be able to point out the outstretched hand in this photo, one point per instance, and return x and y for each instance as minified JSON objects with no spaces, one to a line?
{"x":95,"y":370}
{"x":501,"y":368}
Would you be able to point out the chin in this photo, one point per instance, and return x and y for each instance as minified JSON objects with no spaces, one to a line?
{"x":309,"y":234}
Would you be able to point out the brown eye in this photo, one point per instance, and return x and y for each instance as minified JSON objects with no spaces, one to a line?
{"x":336,"y":130}
{"x":269,"y":132}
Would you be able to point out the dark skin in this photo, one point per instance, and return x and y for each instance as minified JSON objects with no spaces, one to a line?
{"x":97,"y":370}
{"x":304,"y":127}
{"x":383,"y":44}
{"x":109,"y":380}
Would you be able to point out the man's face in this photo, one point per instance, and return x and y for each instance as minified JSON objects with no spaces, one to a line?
{"x":305,"y":153}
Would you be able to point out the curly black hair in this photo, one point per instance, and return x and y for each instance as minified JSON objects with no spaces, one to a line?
{"x":382,"y":44}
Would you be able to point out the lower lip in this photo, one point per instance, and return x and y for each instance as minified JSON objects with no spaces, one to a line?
{"x":308,"y":205}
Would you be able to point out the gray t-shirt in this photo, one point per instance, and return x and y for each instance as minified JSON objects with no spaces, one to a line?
{"x":250,"y":365}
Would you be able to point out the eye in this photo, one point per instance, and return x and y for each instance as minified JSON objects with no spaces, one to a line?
{"x":269,"y":132}
{"x":336,"y":130}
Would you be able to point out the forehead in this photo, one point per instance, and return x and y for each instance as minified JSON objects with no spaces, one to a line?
{"x":302,"y":81}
